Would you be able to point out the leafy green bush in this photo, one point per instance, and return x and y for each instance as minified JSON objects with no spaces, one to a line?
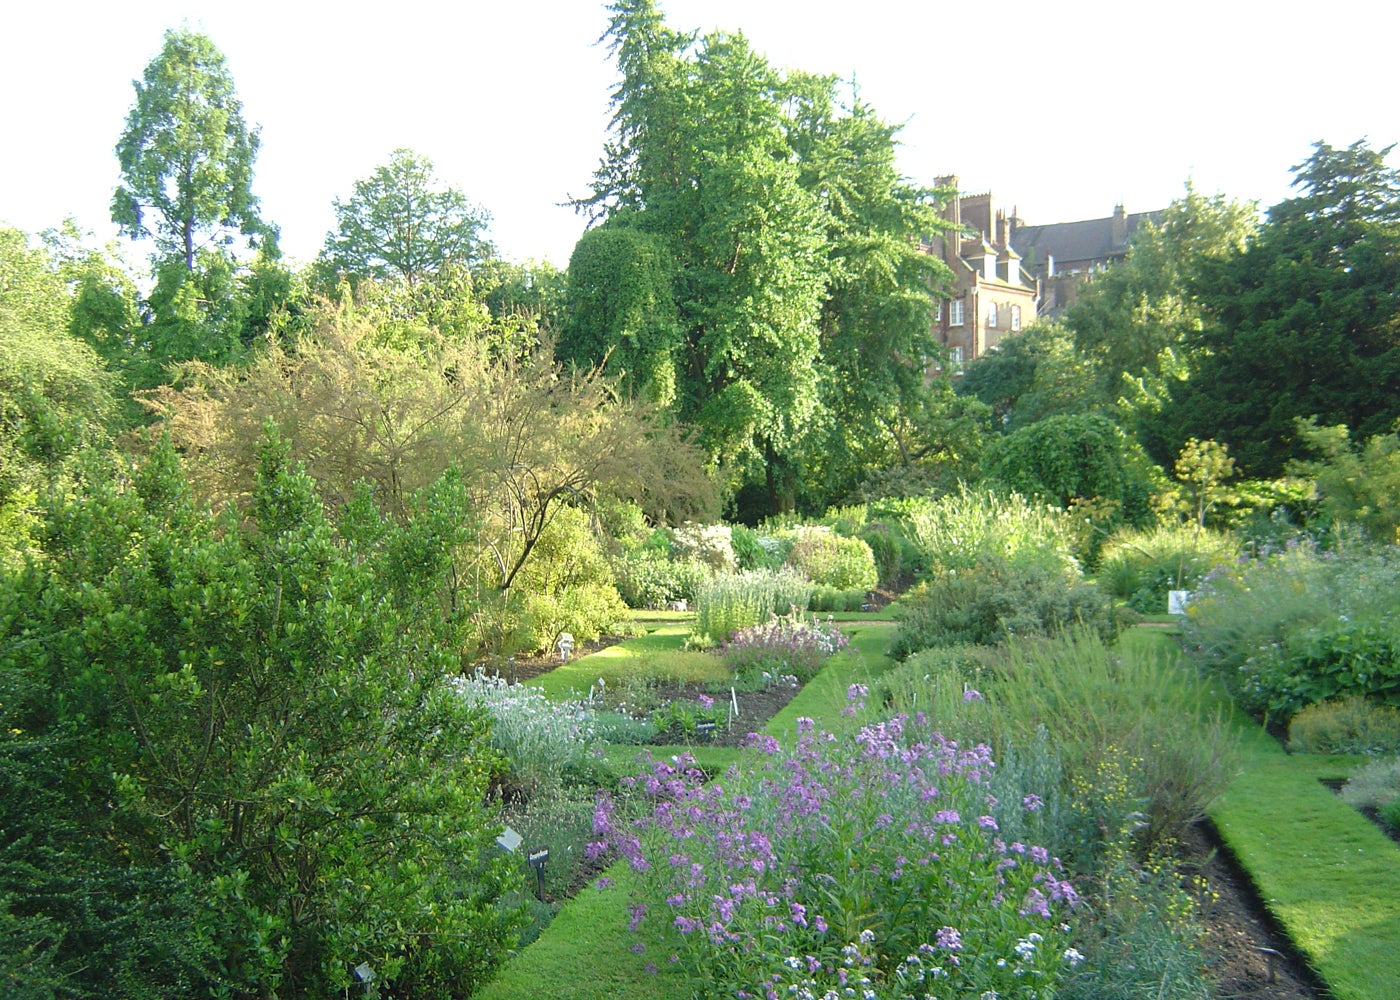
{"x":1293,"y":628}
{"x":1078,"y":456}
{"x":1140,"y":567}
{"x":829,"y":599}
{"x":990,"y":604}
{"x":711,"y":544}
{"x":259,"y":702}
{"x":567,"y":586}
{"x":1346,"y":725}
{"x":888,"y":552}
{"x":831,"y":560}
{"x":648,"y":579}
{"x":731,"y":602}
{"x":749,"y":550}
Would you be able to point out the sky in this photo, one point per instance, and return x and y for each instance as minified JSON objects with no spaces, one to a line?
{"x":1061,"y":110}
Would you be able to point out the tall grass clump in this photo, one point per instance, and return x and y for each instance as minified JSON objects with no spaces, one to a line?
{"x":1141,"y":566}
{"x":977,"y":527}
{"x":1090,"y":706}
{"x":739,"y":600}
{"x":1289,"y":629}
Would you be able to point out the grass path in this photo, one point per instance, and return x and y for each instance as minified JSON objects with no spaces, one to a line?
{"x":582,"y":954}
{"x":1329,"y":876}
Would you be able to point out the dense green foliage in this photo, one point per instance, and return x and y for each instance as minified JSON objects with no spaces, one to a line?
{"x":1293,"y":628}
{"x":1303,"y":322}
{"x":1142,"y":567}
{"x":247,"y":730}
{"x":1349,"y":725}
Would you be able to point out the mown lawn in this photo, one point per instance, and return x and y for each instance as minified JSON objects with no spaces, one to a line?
{"x":1330,"y":877}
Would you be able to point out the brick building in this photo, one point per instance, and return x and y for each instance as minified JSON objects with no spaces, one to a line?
{"x":993,"y":295}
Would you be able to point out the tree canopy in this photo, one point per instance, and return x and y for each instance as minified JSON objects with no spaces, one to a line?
{"x":397,"y":223}
{"x":1305,"y":322}
{"x":187,"y":155}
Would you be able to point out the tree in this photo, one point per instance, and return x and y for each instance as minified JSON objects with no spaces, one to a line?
{"x":876,"y":317}
{"x":700,"y":159}
{"x":398,"y":224}
{"x":1202,"y":468}
{"x":1143,"y":310}
{"x":1353,"y":483}
{"x":1083,"y":457}
{"x":1305,"y":321}
{"x":365,"y":400}
{"x":187,"y":156}
{"x":621,"y":311}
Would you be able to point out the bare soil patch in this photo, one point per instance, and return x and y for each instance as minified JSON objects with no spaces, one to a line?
{"x":1253,"y":957}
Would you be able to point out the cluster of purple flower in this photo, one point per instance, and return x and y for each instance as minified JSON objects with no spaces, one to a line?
{"x":804,"y":850}
{"x":786,"y":645}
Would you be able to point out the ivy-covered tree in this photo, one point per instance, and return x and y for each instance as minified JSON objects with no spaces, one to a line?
{"x":398,"y":223}
{"x":621,"y":311}
{"x":1306,"y":321}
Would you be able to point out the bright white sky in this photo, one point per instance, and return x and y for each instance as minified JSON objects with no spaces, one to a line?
{"x":1061,"y":108}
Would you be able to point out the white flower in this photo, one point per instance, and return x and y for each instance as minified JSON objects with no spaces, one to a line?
{"x":1073,"y":957}
{"x":867,"y":936}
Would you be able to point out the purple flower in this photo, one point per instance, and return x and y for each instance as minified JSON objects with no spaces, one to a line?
{"x":804,"y":724}
{"x":987,"y":822}
{"x":705,"y":701}
{"x":819,"y":924}
{"x":1032,"y":802}
{"x":604,"y":883}
{"x":948,"y":938}
{"x":972,"y":694}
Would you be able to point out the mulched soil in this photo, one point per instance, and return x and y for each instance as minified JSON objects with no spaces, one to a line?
{"x":1254,"y":958}
{"x":755,"y":709}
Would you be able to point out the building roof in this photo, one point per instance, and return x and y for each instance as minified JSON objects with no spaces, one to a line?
{"x":1073,"y":242}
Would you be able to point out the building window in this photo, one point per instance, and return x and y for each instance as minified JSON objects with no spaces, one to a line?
{"x":991,"y":316}
{"x":955,"y":312}
{"x":955,"y":359}
{"x":1015,"y":318}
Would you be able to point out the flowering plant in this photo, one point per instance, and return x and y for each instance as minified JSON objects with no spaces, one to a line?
{"x":783,"y":645}
{"x":869,"y":863}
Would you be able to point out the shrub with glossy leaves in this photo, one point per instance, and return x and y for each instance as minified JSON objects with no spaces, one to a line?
{"x":259,"y":705}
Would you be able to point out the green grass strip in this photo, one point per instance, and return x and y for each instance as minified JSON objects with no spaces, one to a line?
{"x":583,"y":955}
{"x":1329,"y":876}
{"x":657,"y":654}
